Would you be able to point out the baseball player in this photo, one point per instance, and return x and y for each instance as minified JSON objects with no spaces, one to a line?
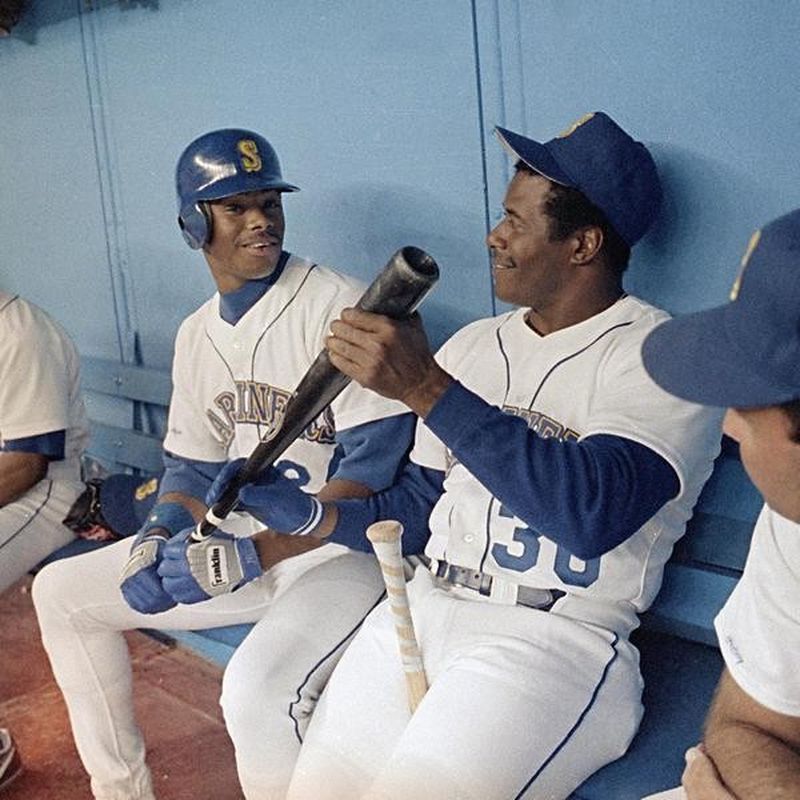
{"x":43,"y":432}
{"x":551,"y":477}
{"x":237,"y":360}
{"x":746,"y":355}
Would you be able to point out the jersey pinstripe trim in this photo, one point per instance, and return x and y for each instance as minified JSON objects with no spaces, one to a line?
{"x":9,"y":300}
{"x":277,"y":317}
{"x":578,"y":721}
{"x":310,"y":674}
{"x":574,"y":355}
{"x":31,"y":518}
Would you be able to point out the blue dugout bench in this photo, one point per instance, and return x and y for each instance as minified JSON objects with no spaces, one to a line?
{"x":680,"y":660}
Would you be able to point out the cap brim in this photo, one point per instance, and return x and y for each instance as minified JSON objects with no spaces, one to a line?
{"x":694,"y":357}
{"x":534,"y":154}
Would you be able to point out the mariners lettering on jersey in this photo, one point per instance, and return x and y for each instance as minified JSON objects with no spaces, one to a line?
{"x":255,"y":403}
{"x":541,"y":424}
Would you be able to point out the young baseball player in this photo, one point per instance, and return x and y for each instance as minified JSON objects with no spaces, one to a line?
{"x":237,"y":360}
{"x":550,"y":476}
{"x":42,"y":435}
{"x":746,"y":355}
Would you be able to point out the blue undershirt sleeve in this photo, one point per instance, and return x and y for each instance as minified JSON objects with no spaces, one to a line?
{"x":372,"y":454}
{"x":590,"y":495}
{"x":49,"y":444}
{"x":409,"y":501}
{"x":188,"y":476}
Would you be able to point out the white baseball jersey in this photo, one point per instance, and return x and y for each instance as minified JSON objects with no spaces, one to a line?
{"x":759,"y":627}
{"x":231,"y":383}
{"x":583,"y":380}
{"x":40,"y":382}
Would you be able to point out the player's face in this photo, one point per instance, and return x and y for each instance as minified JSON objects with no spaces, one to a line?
{"x":528,"y":268}
{"x":246,"y":238}
{"x":769,"y":443}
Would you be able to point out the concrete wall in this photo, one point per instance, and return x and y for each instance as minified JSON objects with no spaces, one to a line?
{"x":382,"y":112}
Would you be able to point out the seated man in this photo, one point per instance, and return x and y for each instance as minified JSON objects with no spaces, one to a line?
{"x":43,"y":432}
{"x":42,"y":435}
{"x":746,"y":356}
{"x":237,"y":360}
{"x":552,"y":477}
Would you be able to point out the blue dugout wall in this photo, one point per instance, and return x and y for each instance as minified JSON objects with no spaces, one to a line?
{"x":382,"y":112}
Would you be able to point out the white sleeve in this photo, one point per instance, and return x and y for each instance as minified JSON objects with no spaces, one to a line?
{"x":759,"y":627}
{"x":35,"y":386}
{"x":189,"y":430}
{"x":628,"y":403}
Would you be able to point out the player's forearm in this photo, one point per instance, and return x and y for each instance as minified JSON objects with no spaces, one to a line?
{"x":194,"y":506}
{"x":754,"y":764}
{"x":589,"y":496}
{"x":273,"y":547}
{"x":19,"y":472}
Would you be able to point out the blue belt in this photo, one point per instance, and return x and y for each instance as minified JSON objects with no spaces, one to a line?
{"x":528,"y":596}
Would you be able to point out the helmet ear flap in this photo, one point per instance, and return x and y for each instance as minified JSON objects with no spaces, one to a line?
{"x":195,"y":224}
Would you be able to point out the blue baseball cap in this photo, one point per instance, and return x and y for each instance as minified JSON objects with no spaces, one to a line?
{"x":596,"y":157}
{"x":746,"y":353}
{"x":126,"y":500}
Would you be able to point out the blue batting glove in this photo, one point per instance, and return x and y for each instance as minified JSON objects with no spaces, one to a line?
{"x":139,"y":582}
{"x":195,"y":571}
{"x":272,"y":498}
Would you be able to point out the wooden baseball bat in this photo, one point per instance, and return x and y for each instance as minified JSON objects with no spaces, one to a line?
{"x":396,"y":292}
{"x":385,"y":537}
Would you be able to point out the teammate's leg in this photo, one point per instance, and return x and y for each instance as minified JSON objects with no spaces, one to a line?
{"x":359,"y":718}
{"x":274,"y":679}
{"x":523,"y":704}
{"x":31,"y":529}
{"x":82,"y":616}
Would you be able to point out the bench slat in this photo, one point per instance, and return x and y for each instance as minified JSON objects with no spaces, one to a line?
{"x":715,"y":541}
{"x":126,"y":447}
{"x":689,"y":600}
{"x":126,"y":381}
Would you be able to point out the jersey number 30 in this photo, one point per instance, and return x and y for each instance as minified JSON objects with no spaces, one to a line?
{"x":529,"y":555}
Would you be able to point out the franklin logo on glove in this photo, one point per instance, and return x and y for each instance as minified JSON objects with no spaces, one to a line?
{"x":217,"y":566}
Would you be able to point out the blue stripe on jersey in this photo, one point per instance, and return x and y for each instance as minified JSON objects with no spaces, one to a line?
{"x":188,"y":476}
{"x":588,"y":495}
{"x":409,"y":501}
{"x":581,"y":717}
{"x":234,"y":305}
{"x":46,"y":444}
{"x":372,"y":454}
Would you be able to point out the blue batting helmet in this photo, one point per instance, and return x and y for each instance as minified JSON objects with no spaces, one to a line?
{"x":220,"y":164}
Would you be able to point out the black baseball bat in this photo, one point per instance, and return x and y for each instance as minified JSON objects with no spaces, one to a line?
{"x":398,"y":289}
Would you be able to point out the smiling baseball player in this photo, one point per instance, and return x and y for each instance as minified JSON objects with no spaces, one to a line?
{"x":237,"y":360}
{"x":552,"y":477}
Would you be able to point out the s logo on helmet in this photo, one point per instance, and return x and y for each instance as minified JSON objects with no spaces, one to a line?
{"x":251,"y":160}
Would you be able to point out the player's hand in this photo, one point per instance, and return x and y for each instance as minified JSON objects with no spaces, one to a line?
{"x":391,"y":357}
{"x":139,"y":582}
{"x":195,"y":571}
{"x":700,"y":779}
{"x":272,"y":498}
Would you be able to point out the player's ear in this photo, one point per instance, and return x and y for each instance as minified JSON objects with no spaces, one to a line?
{"x":588,"y":242}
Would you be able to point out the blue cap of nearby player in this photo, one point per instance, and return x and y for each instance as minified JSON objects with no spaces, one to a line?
{"x":603,"y":162}
{"x":746,"y":353}
{"x":126,"y":500}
